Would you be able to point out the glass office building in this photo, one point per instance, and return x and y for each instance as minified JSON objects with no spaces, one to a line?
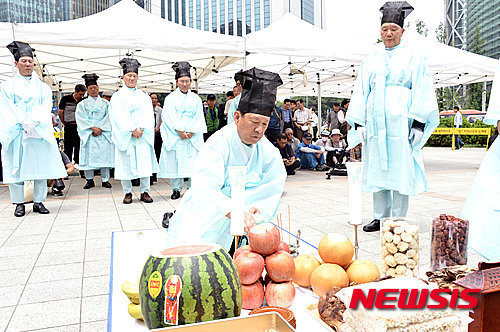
{"x":34,"y":11}
{"x":486,"y":15}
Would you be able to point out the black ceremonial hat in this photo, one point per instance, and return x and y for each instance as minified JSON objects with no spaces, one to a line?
{"x":395,"y":12}
{"x":20,"y":49}
{"x":130,"y":65}
{"x":259,"y":91}
{"x":90,"y":79}
{"x":182,"y":68}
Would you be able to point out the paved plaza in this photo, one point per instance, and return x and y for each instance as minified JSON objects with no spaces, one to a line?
{"x":54,"y":269}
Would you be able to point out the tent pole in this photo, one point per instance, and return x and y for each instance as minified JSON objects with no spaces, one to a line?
{"x":320,"y":115}
{"x":13,"y":66}
{"x":245,"y":57}
{"x":484,"y":97}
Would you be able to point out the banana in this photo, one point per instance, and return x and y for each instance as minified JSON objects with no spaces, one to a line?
{"x":135,"y":311}
{"x":132,"y":291}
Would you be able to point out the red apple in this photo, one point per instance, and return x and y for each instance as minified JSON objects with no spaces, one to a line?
{"x":280,"y":266}
{"x":284,"y":247}
{"x":241,"y":250}
{"x":280,"y":294}
{"x":252,"y":295}
{"x":264,"y":238}
{"x":250,"y":266}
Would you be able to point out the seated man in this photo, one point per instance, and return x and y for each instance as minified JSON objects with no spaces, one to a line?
{"x":338,"y":153}
{"x":293,"y":141}
{"x":204,"y":213}
{"x":58,"y":184}
{"x":311,"y":156}
{"x":325,"y":143}
{"x":287,"y":154}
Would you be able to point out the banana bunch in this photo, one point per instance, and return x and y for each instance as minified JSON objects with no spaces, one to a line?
{"x":132,"y":292}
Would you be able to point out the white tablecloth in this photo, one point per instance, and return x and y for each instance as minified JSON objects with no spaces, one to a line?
{"x":129,"y":252}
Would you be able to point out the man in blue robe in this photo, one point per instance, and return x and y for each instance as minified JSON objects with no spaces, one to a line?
{"x":182,"y":128}
{"x":94,"y":128}
{"x":394,"y":111}
{"x":482,"y":206}
{"x":132,"y":122}
{"x":29,"y":148}
{"x":204,"y":212}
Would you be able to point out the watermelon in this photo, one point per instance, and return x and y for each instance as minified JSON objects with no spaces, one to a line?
{"x":189,"y":284}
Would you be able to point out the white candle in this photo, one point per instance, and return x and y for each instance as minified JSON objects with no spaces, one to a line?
{"x":237,"y":179}
{"x":355,"y":174}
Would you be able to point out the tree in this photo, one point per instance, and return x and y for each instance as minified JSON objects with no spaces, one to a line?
{"x":474,"y":98}
{"x":421,"y":28}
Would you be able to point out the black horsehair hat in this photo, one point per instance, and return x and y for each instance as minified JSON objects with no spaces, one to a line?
{"x":130,"y":65}
{"x":182,"y":68}
{"x":90,"y":79}
{"x":395,"y":12}
{"x":259,"y":91}
{"x":20,"y":49}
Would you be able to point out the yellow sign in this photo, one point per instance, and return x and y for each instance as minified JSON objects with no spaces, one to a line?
{"x":154,"y":284}
{"x":463,"y":131}
{"x":58,"y":134}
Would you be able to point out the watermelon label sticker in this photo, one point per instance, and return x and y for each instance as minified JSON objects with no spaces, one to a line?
{"x":173,"y":289}
{"x":154,"y":284}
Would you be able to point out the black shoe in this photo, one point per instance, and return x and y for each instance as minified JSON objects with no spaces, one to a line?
{"x":291,"y":173}
{"x":127,"y":199}
{"x":89,"y":184}
{"x":20,"y":210}
{"x":40,"y":208}
{"x":57,"y":192}
{"x":107,"y":184}
{"x":373,"y":226}
{"x":166,"y":219}
{"x":176,"y":194}
{"x":146,"y":198}
{"x":322,"y":168}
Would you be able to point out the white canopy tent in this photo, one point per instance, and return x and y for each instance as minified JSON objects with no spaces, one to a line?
{"x":292,"y":47}
{"x":308,"y":59}
{"x":66,"y":50}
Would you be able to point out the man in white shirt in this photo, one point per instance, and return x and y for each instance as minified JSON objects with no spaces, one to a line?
{"x":314,"y":123}
{"x":457,"y":122}
{"x":302,"y":117}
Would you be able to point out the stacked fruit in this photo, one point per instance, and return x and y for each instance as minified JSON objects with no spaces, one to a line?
{"x":265,"y":251}
{"x":132,"y":291}
{"x":336,"y":269}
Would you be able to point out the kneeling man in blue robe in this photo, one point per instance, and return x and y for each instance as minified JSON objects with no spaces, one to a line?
{"x":204,"y":212}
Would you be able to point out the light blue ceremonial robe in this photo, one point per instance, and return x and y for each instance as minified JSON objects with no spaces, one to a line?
{"x":182,"y":112}
{"x":34,"y":156}
{"x":201,"y":214}
{"x":393,"y":88}
{"x":482,"y":206}
{"x":232,"y":108}
{"x":96,"y":152}
{"x":134,"y":157}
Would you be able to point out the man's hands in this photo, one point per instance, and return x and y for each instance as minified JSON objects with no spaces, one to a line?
{"x":361,"y":133}
{"x":137,"y":133}
{"x":96,"y":131}
{"x":248,"y":218}
{"x":415,"y":136}
{"x":319,"y":153}
{"x":184,"y":134}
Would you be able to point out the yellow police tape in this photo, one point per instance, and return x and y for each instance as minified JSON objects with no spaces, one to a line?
{"x":58,"y":134}
{"x":463,"y":131}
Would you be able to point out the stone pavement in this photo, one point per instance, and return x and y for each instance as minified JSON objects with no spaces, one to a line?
{"x":54,"y":269}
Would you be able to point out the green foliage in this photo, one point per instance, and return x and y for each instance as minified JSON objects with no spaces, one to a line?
{"x":474,"y":99}
{"x":421,"y":28}
{"x":469,"y":140}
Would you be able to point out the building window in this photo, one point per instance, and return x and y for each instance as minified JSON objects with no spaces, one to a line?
{"x":183,"y":12}
{"x":222,"y":16}
{"x":205,"y":14}
{"x":169,"y":9}
{"x":307,"y":11}
{"x":257,"y":15}
{"x":267,"y":14}
{"x":214,"y":15}
{"x":239,"y":17}
{"x":191,"y":20}
{"x":198,"y":14}
{"x":248,"y":16}
{"x":162,"y":8}
{"x":176,"y":6}
{"x":230,"y":17}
